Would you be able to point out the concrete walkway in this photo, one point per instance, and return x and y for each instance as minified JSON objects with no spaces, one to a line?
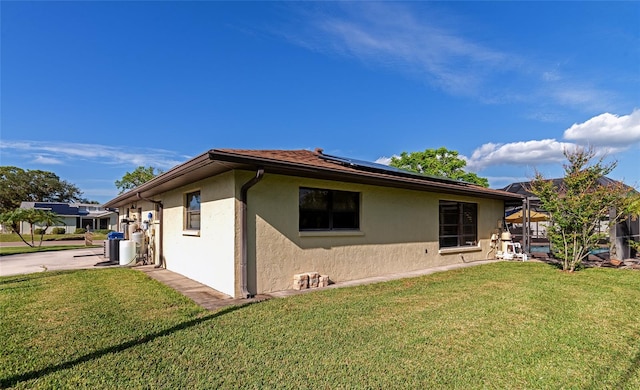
{"x":214,"y":300}
{"x":203,"y":295}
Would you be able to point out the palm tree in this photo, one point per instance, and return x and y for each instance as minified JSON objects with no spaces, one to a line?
{"x":46,"y":218}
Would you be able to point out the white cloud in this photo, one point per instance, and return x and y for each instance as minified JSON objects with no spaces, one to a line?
{"x":525,"y":153}
{"x":518,"y":153}
{"x":47,"y":160}
{"x":100,"y":192}
{"x":607,"y":130}
{"x":608,"y":133}
{"x":424,"y":43}
{"x":392,"y":35}
{"x":58,"y":153}
{"x":383,"y":160}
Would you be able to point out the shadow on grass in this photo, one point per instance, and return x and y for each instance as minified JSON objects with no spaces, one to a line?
{"x":632,"y":370}
{"x":8,"y":280}
{"x":14,"y":380}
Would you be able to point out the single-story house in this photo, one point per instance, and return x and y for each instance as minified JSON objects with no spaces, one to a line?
{"x":246,"y":221}
{"x":74,"y":215}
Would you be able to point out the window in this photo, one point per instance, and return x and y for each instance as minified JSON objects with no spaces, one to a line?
{"x":458,"y":224}
{"x":322,"y":209}
{"x":192,"y":216}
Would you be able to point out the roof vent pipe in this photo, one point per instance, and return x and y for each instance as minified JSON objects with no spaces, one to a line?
{"x":245,"y":233}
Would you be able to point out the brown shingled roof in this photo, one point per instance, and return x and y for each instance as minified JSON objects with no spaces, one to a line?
{"x":304,"y":163}
{"x":385,"y":175}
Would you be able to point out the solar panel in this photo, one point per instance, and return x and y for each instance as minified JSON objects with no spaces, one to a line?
{"x":376,"y":167}
{"x":60,"y":208}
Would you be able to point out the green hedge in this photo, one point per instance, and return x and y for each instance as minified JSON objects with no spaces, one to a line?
{"x":58,"y":230}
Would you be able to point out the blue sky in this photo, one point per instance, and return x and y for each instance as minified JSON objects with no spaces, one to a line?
{"x":91,"y":90}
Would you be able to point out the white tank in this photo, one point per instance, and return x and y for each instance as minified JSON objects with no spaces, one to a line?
{"x":127,"y":252}
{"x":131,"y":229}
{"x":138,"y":238}
{"x":505,"y":239}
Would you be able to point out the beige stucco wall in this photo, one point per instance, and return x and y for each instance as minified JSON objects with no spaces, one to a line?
{"x":398,"y":232}
{"x":209,"y":256}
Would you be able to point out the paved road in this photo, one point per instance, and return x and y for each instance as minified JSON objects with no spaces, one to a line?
{"x":50,"y":243}
{"x":50,"y":261}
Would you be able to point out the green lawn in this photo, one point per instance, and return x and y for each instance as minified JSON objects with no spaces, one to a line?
{"x":506,"y":325}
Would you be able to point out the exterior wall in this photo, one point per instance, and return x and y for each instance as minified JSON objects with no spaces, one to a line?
{"x":399,"y":231}
{"x":208,"y":257}
{"x":145,"y":217}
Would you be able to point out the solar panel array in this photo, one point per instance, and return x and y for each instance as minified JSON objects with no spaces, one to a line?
{"x":60,"y":208}
{"x":381,"y":168}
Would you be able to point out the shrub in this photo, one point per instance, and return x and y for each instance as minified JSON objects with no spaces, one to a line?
{"x":103,"y":231}
{"x":80,"y":231}
{"x":39,"y":231}
{"x":58,"y":230}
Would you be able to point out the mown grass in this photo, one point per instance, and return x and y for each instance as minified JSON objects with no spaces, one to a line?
{"x":16,"y":250}
{"x":504,"y":326}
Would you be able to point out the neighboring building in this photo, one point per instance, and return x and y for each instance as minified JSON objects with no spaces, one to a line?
{"x":74,"y":215}
{"x":246,"y":221}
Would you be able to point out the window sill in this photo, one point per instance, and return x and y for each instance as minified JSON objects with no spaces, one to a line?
{"x":331,"y":233}
{"x":460,"y":249}
{"x":193,"y":233}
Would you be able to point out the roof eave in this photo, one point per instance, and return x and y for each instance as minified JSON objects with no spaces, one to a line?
{"x":363,"y":177}
{"x":216,"y":161}
{"x":148,"y":189}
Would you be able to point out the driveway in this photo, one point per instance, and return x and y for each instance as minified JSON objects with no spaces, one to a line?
{"x":50,"y":261}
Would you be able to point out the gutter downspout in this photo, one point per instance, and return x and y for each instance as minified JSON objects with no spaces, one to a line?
{"x":245,"y":233}
{"x":160,"y":245}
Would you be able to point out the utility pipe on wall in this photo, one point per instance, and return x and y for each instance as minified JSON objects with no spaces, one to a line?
{"x":160,"y":208}
{"x":245,"y":233}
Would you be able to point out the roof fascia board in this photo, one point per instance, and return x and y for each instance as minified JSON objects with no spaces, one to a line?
{"x":175,"y":172}
{"x":363,"y":177}
{"x":244,"y":162}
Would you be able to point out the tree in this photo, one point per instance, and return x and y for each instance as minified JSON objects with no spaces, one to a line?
{"x":438,"y":162}
{"x":43,"y":218}
{"x":139,"y":176}
{"x":18,"y":185}
{"x":578,"y":205}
